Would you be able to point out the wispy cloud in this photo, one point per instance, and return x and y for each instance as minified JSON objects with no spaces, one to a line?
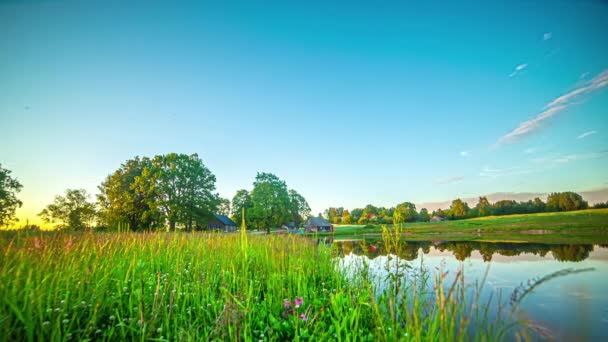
{"x":586,"y":134}
{"x":449,"y":180}
{"x":529,"y":126}
{"x":552,"y":108}
{"x":530,"y":150}
{"x":465,"y":153}
{"x":547,"y":36}
{"x":599,"y":81}
{"x":489,"y":172}
{"x":567,"y":158}
{"x":583,"y":75}
{"x":518,"y":69}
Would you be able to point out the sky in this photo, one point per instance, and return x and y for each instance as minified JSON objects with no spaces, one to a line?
{"x":349,"y":102}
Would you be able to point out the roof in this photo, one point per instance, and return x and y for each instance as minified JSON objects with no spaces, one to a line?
{"x":317,"y":222}
{"x":225,"y":220}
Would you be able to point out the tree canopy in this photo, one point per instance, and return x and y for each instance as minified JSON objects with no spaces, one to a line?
{"x":73,"y":211}
{"x":151,"y":193}
{"x":9,"y":187}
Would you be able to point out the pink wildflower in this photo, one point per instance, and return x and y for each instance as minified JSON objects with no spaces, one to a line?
{"x":303,"y":317}
{"x":298,"y":301}
{"x":288,"y":303}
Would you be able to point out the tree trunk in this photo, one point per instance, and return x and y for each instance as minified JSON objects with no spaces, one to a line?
{"x":171,"y":226}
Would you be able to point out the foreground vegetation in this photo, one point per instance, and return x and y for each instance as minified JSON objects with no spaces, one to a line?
{"x":168,"y":286}
{"x":584,"y":226}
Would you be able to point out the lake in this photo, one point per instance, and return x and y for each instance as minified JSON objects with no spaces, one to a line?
{"x":565,"y":308}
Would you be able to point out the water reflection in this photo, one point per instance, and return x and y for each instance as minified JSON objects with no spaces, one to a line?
{"x":462,"y":250}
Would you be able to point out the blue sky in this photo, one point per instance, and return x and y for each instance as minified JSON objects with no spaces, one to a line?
{"x":349,"y":103}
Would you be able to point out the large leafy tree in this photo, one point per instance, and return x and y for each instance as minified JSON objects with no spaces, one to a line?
{"x":72,"y":211}
{"x":405,"y":212}
{"x":459,"y":209}
{"x":298,"y":207}
{"x":424,"y":215}
{"x":9,"y":187}
{"x":180,"y":188}
{"x":242,"y":202}
{"x":122,"y":202}
{"x":271,"y":203}
{"x":484,"y":208}
{"x":566,"y":201}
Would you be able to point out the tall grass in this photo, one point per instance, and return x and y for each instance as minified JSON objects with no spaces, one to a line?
{"x":198,"y":286}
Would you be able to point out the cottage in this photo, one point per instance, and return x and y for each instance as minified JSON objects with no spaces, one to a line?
{"x":221,"y":222}
{"x":318,"y":224}
{"x":437,"y":219}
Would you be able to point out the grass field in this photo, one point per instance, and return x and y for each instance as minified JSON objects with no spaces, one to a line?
{"x":175,"y":286}
{"x":585,"y":226}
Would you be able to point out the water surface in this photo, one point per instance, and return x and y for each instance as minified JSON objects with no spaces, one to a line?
{"x":572,"y":307}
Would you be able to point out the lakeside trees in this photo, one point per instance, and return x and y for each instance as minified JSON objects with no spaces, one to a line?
{"x":9,"y":187}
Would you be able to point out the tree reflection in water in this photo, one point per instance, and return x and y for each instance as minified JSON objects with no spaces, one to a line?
{"x":408,"y":250}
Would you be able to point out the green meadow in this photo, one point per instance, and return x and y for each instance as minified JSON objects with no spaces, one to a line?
{"x":583,"y":226}
{"x":59,"y":286}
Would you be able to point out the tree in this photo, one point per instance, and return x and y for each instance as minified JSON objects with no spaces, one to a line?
{"x":240,"y":201}
{"x":223,"y":207}
{"x":120,"y":201}
{"x":70,"y":211}
{"x":405,"y":212}
{"x":424,"y":215}
{"x":330,"y":213}
{"x":566,"y":201}
{"x":180,"y":188}
{"x":459,"y":209}
{"x":484,"y":208}
{"x":356,"y":214}
{"x":298,"y":207}
{"x":539,"y":205}
{"x":271,"y":202}
{"x":9,"y":187}
{"x":348,"y":219}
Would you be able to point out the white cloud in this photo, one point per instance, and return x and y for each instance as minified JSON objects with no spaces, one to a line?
{"x":449,"y":180}
{"x":583,"y":75}
{"x":586,"y":134}
{"x":547,"y":36}
{"x":489,"y":172}
{"x":518,"y":69}
{"x":562,"y":159}
{"x":465,"y":153}
{"x":599,"y":81}
{"x":553,"y":107}
{"x":530,"y":150}
{"x":529,"y":126}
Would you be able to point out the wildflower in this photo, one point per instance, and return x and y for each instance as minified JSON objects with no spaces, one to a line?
{"x":303,"y":317}
{"x":298,"y":301}
{"x":46,"y":323}
{"x":98,"y":331}
{"x":287,"y":304}
{"x":159,"y":330}
{"x":112,"y":318}
{"x":65,"y":321}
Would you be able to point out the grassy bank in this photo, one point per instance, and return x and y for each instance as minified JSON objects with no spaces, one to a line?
{"x":585,"y":226}
{"x":61,"y":286}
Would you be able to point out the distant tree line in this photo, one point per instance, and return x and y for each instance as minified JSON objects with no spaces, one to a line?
{"x":406,"y":211}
